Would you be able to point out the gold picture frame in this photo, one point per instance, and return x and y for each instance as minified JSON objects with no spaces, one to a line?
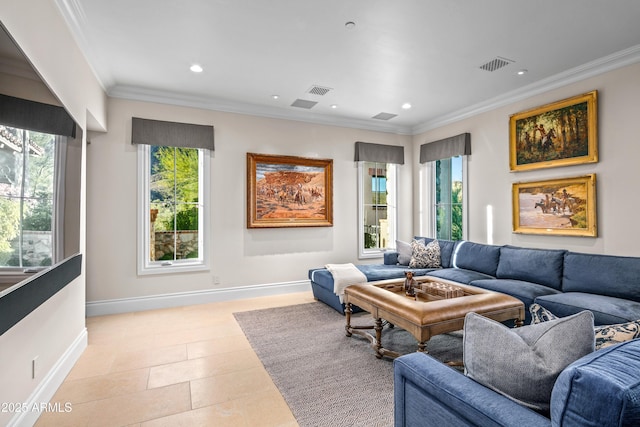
{"x":564,"y":206}
{"x":288,"y":191}
{"x":562,"y":133}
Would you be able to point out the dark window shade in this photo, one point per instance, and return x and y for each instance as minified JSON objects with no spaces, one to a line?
{"x":36,"y":116}
{"x":379,"y":153}
{"x":459,"y":145}
{"x":171,"y":134}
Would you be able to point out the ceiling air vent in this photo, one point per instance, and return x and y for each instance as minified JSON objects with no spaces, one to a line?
{"x":319,"y":90}
{"x":384,"y":116}
{"x":496,"y":64}
{"x":303,"y":103}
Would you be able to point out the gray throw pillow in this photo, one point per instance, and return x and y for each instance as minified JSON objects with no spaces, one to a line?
{"x":606,"y":335}
{"x":425,"y":256}
{"x":524,"y":363}
{"x":404,"y":252}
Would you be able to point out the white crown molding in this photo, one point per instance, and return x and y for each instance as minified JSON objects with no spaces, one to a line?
{"x":163,"y":97}
{"x":608,"y":63}
{"x":75,"y":18}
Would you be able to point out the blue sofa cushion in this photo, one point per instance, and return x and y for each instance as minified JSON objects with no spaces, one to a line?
{"x":601,"y":389}
{"x":523,"y":363}
{"x":458,"y":275}
{"x":606,"y":310}
{"x":477,"y":257}
{"x":543,"y":266}
{"x":615,"y":276}
{"x":447,"y":248}
{"x":526,"y":292}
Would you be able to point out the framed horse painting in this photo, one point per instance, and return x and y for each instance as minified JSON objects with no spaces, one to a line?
{"x":287,"y":191}
{"x":565,"y":206}
{"x":562,"y":133}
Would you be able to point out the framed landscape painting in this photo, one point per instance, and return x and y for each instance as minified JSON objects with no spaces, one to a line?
{"x":562,"y":133}
{"x":565,"y":206}
{"x":287,"y":191}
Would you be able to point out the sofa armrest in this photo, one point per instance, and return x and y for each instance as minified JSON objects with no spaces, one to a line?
{"x":390,"y":258}
{"x":429,"y":393}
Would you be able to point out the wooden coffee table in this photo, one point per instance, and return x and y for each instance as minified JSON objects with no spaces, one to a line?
{"x":424,"y":315}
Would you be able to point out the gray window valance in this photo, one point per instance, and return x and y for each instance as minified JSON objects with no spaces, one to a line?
{"x":459,"y":145}
{"x":36,"y":116}
{"x":380,"y":153}
{"x":171,"y":134}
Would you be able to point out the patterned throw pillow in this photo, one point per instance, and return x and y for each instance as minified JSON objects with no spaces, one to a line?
{"x":404,"y":251}
{"x":606,"y":335}
{"x":425,"y":256}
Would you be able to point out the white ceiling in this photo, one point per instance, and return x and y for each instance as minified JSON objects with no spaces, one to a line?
{"x":425,"y":52}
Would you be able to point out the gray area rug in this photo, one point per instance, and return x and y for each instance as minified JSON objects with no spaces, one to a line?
{"x":327,"y":378}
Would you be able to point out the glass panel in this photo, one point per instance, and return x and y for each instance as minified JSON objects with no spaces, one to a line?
{"x":27,"y":164}
{"x":371,"y":227}
{"x":162,"y":183}
{"x":162,"y":235}
{"x":10,"y":232}
{"x":187,"y":234}
{"x":448,"y":195}
{"x":186,"y":173}
{"x":174,"y":208}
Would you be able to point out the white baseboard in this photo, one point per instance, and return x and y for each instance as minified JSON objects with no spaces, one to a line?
{"x":50,"y":383}
{"x":153,"y":302}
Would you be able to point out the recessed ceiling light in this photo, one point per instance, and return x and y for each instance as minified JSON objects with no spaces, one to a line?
{"x":350,"y":25}
{"x":196,"y":68}
{"x":521,"y":72}
{"x":334,"y":106}
{"x":275,"y":96}
{"x":406,"y":106}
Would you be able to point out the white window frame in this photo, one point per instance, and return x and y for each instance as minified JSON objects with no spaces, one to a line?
{"x":392,"y":211}
{"x":145,"y":265}
{"x":427,"y":224}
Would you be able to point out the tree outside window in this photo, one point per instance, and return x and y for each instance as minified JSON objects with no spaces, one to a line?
{"x":174,"y":190}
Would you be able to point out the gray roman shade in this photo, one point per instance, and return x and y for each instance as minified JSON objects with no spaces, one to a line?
{"x":171,"y":134}
{"x":379,"y":153}
{"x":459,"y":145}
{"x":36,"y":116}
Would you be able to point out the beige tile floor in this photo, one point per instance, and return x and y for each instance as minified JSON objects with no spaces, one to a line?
{"x":184,"y":366}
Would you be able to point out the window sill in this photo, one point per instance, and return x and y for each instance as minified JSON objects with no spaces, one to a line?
{"x":172,"y":268}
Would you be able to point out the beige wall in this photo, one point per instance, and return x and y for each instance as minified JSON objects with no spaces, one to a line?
{"x":54,"y":332}
{"x":239,"y":256}
{"x":617,"y":171}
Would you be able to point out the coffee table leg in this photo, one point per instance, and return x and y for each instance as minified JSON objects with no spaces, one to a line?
{"x":347,"y":315}
{"x":422,"y":347}
{"x":378,"y":345}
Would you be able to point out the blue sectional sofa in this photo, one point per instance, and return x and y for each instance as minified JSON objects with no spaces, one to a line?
{"x":563,"y":282}
{"x":600,"y":389}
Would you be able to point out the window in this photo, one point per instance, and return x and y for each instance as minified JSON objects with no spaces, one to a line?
{"x":27,"y":198}
{"x":174,"y":208}
{"x":448,"y":199}
{"x":445,"y":201}
{"x":377,"y":185}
